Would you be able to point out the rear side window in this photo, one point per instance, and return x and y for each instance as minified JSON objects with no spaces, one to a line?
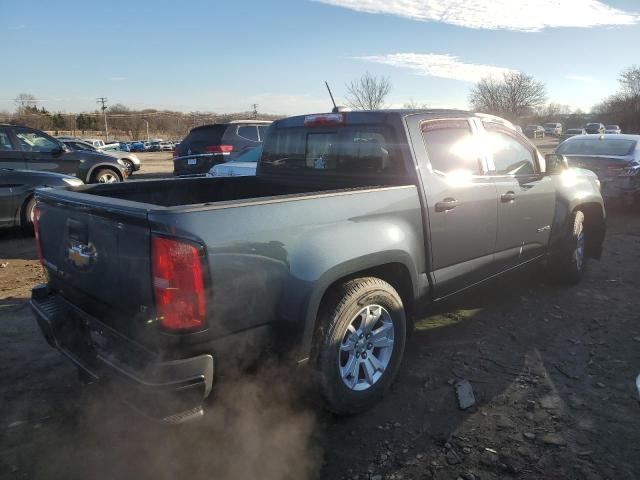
{"x":451,"y":146}
{"x":353,"y":150}
{"x":5,"y":142}
{"x":263,"y":132}
{"x":250,"y":132}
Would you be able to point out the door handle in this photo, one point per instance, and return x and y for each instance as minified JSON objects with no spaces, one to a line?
{"x":446,"y":204}
{"x":508,"y":197}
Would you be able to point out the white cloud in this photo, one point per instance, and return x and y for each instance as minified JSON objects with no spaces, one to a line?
{"x":16,"y":27}
{"x":444,"y":66}
{"x":579,"y":78}
{"x":522,"y":15}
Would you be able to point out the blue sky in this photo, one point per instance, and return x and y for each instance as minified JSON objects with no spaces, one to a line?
{"x":223,"y":56}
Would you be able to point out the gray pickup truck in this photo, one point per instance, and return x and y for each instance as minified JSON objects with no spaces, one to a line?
{"x":353,"y":222}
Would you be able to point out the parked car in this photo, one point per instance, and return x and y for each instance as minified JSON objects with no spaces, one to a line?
{"x":614,"y":158}
{"x":153,"y":147}
{"x":95,"y":142}
{"x":554,"y":129}
{"x":243,"y":165}
{"x":128,"y":160}
{"x":166,"y":146}
{"x":137,"y":147}
{"x":534,"y":131}
{"x":24,"y":148}
{"x":16,"y":193}
{"x":210,"y":145}
{"x":613,"y":129}
{"x":353,"y":221}
{"x":572,"y":132}
{"x":592,"y":128}
{"x":116,"y":147}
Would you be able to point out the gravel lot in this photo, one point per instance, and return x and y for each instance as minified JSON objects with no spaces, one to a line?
{"x":553,"y":370}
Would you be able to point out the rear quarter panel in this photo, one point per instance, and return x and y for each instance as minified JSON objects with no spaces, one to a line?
{"x":270,"y":262}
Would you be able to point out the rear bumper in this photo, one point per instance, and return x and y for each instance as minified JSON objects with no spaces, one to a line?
{"x":622,"y":189}
{"x":171,"y":391}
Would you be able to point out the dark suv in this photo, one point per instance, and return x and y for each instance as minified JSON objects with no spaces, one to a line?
{"x":24,"y":148}
{"x":210,"y":145}
{"x":597,"y":128}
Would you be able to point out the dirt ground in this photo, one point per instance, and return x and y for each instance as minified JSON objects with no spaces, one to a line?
{"x":553,"y":370}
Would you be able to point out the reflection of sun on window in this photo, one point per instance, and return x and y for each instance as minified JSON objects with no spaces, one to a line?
{"x":497,"y":143}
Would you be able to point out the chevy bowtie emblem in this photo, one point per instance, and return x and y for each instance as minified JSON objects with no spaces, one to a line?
{"x":81,"y":256}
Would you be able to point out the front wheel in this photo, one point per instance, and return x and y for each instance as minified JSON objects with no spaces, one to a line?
{"x":361,"y":343}
{"x":26,"y":216}
{"x":106,"y":176}
{"x":568,"y":265}
{"x":128,"y":164}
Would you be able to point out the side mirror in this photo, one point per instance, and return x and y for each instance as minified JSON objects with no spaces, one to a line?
{"x":556,"y":163}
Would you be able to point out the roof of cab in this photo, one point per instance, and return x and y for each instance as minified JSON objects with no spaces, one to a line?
{"x":380,"y":116}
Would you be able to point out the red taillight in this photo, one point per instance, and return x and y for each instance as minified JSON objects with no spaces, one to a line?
{"x":178,"y":284}
{"x":219,"y":149}
{"x":37,"y":213}
{"x":322,"y":119}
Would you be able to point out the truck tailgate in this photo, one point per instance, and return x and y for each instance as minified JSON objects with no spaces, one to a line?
{"x":97,"y":257}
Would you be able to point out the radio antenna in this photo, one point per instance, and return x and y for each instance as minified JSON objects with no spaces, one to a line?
{"x":335,"y":107}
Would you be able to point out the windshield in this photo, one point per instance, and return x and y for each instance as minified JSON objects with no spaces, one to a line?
{"x":612,"y":127}
{"x":588,"y":146}
{"x":574,"y":130}
{"x":361,"y":150}
{"x":550,"y":125}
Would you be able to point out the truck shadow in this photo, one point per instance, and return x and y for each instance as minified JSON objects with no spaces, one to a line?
{"x":16,"y":245}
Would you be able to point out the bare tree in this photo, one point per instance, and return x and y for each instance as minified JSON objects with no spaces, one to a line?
{"x":413,"y":105}
{"x":630,"y":81}
{"x":368,"y":93}
{"x":512,"y":97}
{"x":24,"y":102}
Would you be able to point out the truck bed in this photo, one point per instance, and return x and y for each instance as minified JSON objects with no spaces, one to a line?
{"x":199,"y":190}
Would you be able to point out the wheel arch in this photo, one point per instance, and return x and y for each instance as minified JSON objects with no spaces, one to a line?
{"x":395,"y":272}
{"x":103,"y":166}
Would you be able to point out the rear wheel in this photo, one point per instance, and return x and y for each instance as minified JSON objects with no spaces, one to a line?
{"x":106,"y":175}
{"x":361,"y":341}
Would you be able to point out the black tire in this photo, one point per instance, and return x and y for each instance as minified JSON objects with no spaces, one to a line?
{"x":106,"y":174}
{"x":337,"y":312}
{"x":569,"y":264}
{"x":26,"y":216}
{"x":128,"y":164}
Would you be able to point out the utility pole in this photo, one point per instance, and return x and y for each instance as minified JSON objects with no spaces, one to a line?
{"x":103,"y":101}
{"x":255,"y":110}
{"x":147,"y":120}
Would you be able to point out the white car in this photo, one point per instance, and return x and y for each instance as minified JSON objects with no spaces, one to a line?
{"x":96,"y":142}
{"x":614,"y":129}
{"x":243,"y":166}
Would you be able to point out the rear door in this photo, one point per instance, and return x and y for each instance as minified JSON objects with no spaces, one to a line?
{"x":461,"y":202}
{"x":7,"y":206}
{"x":10,"y":155}
{"x":526,"y":197}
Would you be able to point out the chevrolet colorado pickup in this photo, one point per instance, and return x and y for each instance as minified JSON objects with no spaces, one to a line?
{"x":352,"y":223}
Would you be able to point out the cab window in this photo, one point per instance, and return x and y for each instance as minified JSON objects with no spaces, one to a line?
{"x":508,"y":155}
{"x":32,"y":141}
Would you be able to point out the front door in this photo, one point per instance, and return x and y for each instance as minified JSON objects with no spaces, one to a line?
{"x":43,"y":152}
{"x":525,"y":197}
{"x":461,"y":203}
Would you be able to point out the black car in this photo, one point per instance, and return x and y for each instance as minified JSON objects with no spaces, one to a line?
{"x":210,"y":145}
{"x":16,"y":194}
{"x":24,"y":148}
{"x":597,"y":128}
